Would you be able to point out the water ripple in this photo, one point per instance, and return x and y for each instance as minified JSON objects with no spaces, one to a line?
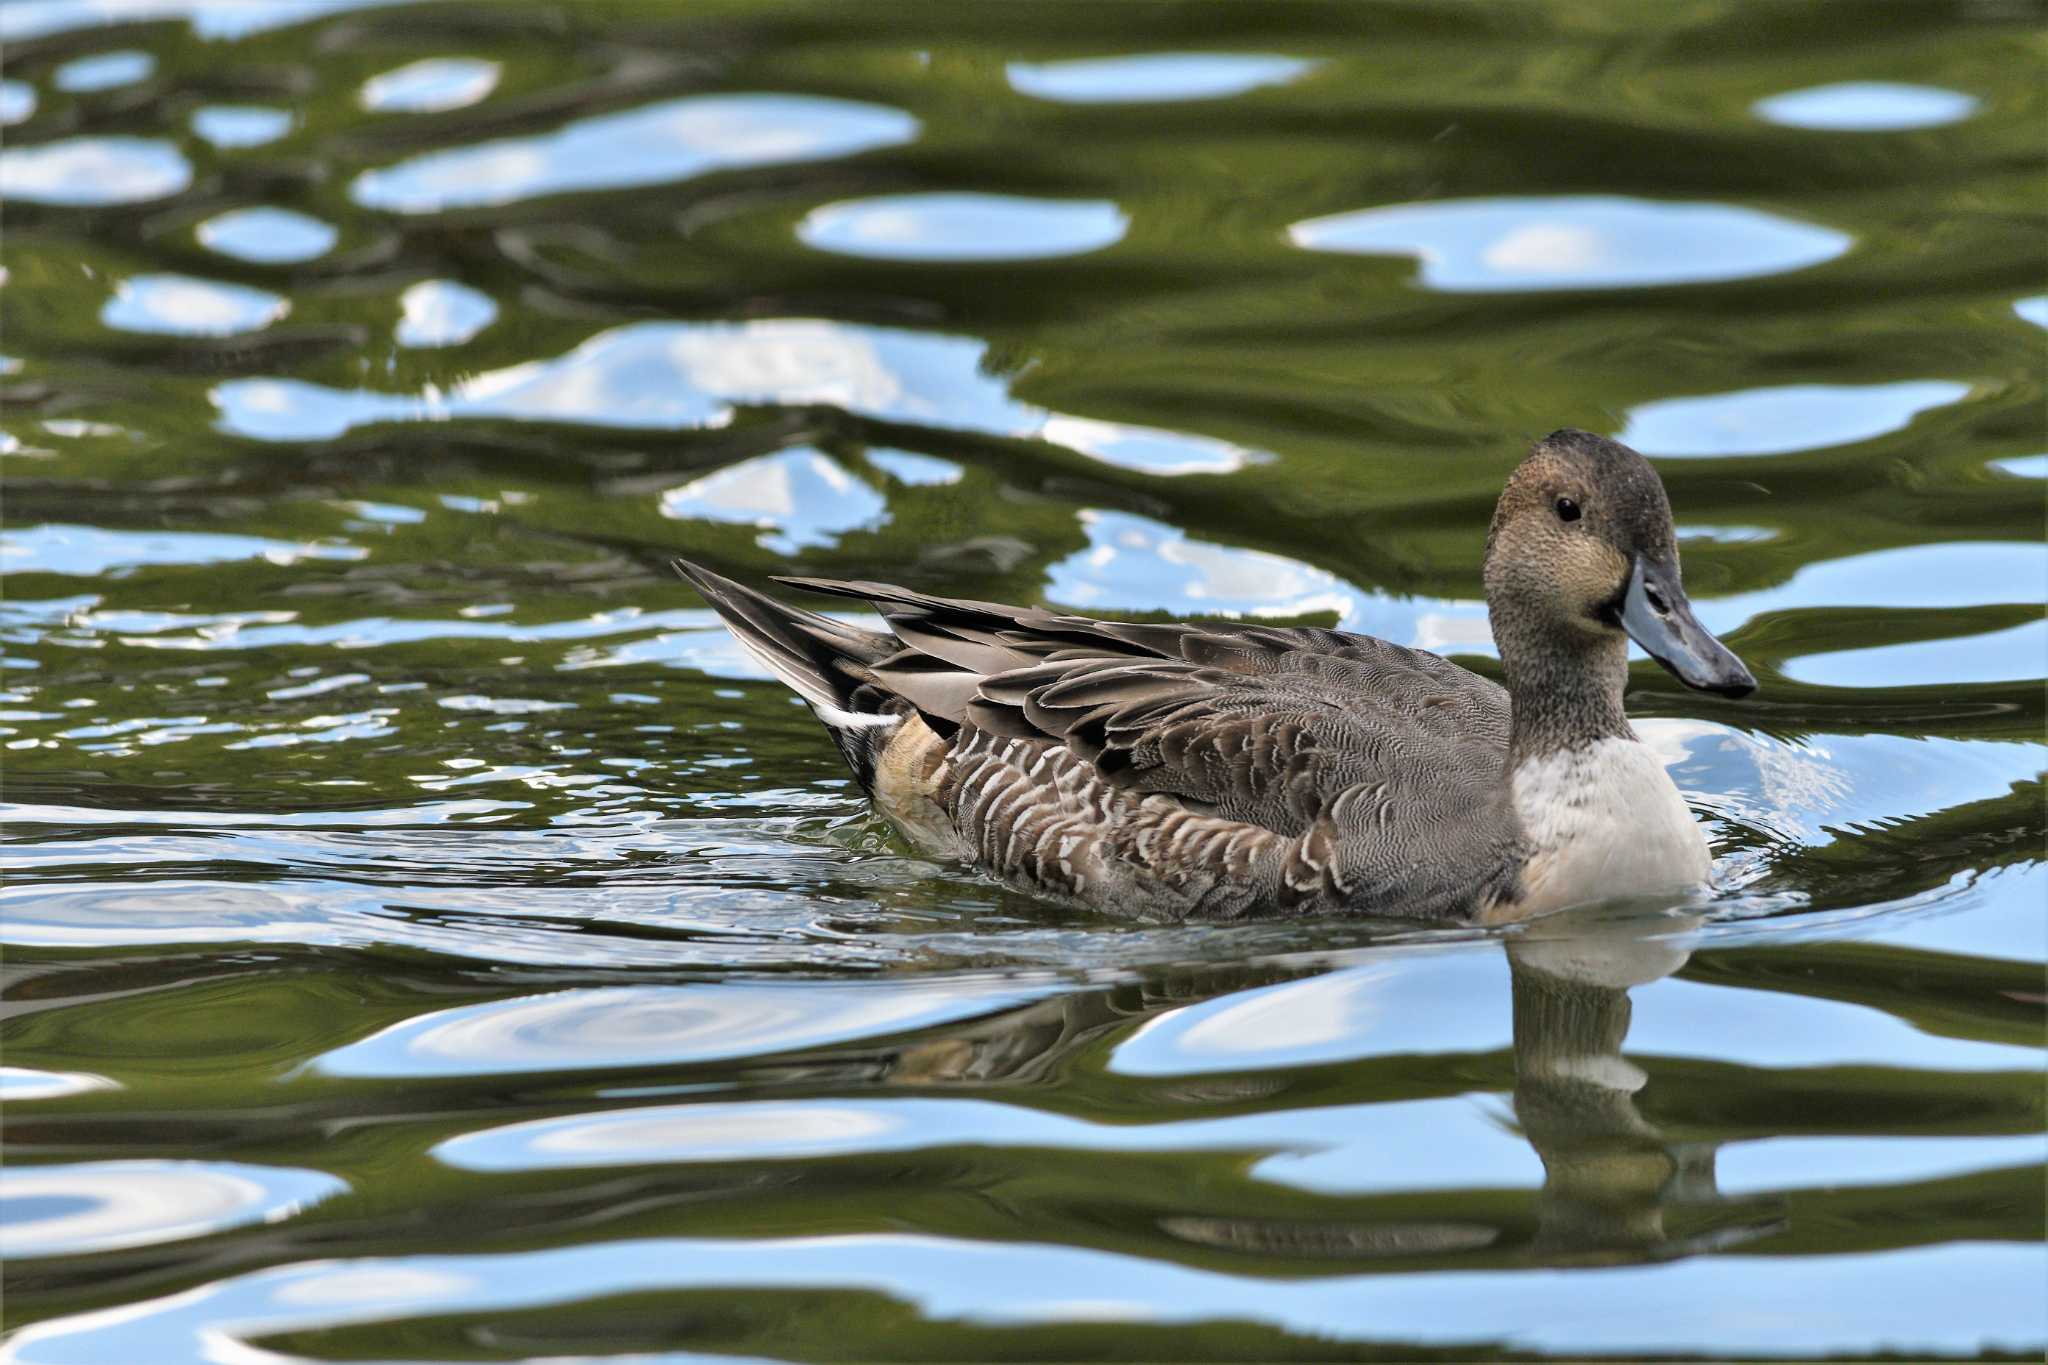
{"x":377,"y":793}
{"x":668,"y":1025}
{"x":88,"y":551}
{"x":1953,"y":1299}
{"x":1366,"y":1011}
{"x":1353,"y":1149}
{"x":104,"y":1205}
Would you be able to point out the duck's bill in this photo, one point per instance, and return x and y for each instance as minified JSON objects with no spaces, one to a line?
{"x":1657,"y":616}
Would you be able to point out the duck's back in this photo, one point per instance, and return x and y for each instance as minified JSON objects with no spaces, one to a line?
{"x":1170,"y":770}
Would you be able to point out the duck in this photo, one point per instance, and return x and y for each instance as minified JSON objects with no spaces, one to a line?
{"x":1227,"y":770}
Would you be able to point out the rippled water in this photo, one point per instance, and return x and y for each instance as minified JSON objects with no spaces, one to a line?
{"x":429,"y":938}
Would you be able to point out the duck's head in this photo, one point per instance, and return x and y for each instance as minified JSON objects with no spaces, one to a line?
{"x":1582,"y":550}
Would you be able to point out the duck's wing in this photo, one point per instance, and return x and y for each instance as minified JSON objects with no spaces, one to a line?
{"x":1280,"y":728}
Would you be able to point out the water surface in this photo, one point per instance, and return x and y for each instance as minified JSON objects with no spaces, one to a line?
{"x":428,"y":937}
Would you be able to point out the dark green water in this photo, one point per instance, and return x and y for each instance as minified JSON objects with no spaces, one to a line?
{"x":427,"y":938}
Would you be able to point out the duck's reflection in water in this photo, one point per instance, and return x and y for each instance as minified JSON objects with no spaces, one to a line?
{"x":1616,"y":1186}
{"x":1611,"y":1177}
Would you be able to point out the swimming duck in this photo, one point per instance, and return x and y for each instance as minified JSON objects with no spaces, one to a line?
{"x":1218,"y":770}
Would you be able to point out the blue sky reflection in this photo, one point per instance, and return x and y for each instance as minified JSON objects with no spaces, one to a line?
{"x":267,"y":236}
{"x":614,"y":1027}
{"x":1575,"y":242}
{"x":229,"y":126}
{"x":1777,"y":421}
{"x":88,"y":551}
{"x":181,"y":305}
{"x":442,"y":313}
{"x":72,"y":1209}
{"x":670,"y":141}
{"x":799,"y":498}
{"x":1866,"y":107}
{"x":431,"y":85}
{"x":1153,"y":77}
{"x":1955,"y":1298}
{"x":17,"y":102}
{"x":962,"y":227}
{"x":103,"y":71}
{"x":87,"y":171}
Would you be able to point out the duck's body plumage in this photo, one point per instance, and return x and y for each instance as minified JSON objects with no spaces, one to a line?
{"x":1221,"y":770}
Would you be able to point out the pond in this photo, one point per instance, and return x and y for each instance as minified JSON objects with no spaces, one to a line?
{"x":428,"y":936}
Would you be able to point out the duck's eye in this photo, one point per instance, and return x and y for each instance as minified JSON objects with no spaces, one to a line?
{"x":1567,"y":510}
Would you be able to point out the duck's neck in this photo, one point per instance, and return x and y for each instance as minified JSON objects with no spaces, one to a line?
{"x":1566,"y":693}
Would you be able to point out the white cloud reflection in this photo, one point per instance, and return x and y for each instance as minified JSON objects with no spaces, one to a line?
{"x":610,"y":1027}
{"x":240,"y":125}
{"x":443,"y":313}
{"x":680,"y":376}
{"x":88,"y":551}
{"x":919,"y":471}
{"x":1946,"y":1300}
{"x":181,"y":305}
{"x":1779,"y":420}
{"x":210,"y":19}
{"x":1133,"y":563}
{"x":93,"y":170}
{"x":69,"y":1210}
{"x":103,"y":71}
{"x":267,"y":236}
{"x":963,"y":227}
{"x":657,"y":144}
{"x":1574,"y":242}
{"x":25,"y":1083}
{"x":17,"y":102}
{"x":431,"y":85}
{"x":1866,"y":107}
{"x":1370,"y":1010}
{"x":1329,"y":1148}
{"x":799,"y":498}
{"x":1153,"y":77}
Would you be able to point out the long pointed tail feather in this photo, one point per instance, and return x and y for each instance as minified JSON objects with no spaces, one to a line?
{"x":826,"y":662}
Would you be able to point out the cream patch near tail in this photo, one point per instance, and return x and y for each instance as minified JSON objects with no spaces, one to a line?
{"x":910,"y":773}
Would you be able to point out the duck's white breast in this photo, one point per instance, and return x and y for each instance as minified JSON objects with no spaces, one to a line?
{"x":1603,"y":820}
